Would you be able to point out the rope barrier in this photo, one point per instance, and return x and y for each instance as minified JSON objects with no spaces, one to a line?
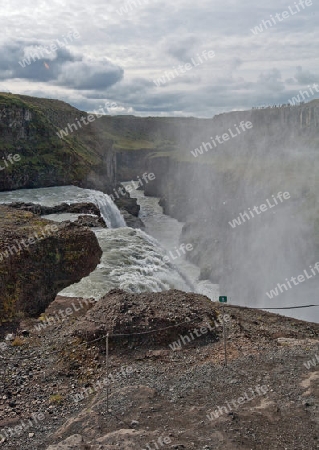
{"x":283,"y":307}
{"x":157,"y":330}
{"x":294,"y":307}
{"x":104,"y":337}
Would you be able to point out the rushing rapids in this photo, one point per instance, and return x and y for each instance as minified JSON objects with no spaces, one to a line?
{"x":133,"y":260}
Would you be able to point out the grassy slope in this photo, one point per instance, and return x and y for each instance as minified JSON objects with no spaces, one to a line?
{"x":173,"y":137}
{"x":43,"y":153}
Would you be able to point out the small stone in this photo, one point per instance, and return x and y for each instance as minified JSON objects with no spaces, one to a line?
{"x":31,"y":435}
{"x":134,"y":423}
{"x":9,"y":337}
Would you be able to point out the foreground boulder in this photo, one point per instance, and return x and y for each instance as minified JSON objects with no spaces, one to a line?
{"x":149,"y":319}
{"x":39,"y":258}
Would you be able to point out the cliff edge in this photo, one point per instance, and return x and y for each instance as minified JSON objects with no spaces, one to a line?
{"x":39,"y":258}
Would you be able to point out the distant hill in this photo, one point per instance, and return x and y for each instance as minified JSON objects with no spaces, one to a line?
{"x":85,"y":152}
{"x":98,"y":152}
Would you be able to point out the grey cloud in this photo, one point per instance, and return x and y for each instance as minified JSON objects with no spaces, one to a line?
{"x":271,"y":80}
{"x":60,"y":67}
{"x":13,"y":57}
{"x":151,"y":40}
{"x":183,"y":49}
{"x":235,"y":63}
{"x":82,"y":75}
{"x":202,"y":101}
{"x":305,"y":77}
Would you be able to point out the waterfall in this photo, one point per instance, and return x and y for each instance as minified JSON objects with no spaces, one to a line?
{"x":108,"y":209}
{"x":68,"y":194}
{"x":132,"y":260}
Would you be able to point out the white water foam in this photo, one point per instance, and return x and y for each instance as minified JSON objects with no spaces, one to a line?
{"x":53,"y":196}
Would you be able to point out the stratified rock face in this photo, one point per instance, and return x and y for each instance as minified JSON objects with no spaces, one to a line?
{"x":148,"y":318}
{"x":30,"y":132}
{"x":73,"y":208}
{"x":39,"y":258}
{"x":91,"y":218}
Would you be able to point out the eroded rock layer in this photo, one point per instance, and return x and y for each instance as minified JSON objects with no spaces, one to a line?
{"x":38,"y":258}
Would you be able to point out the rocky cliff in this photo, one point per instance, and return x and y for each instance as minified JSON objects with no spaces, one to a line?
{"x":39,"y":258}
{"x":29,"y":127}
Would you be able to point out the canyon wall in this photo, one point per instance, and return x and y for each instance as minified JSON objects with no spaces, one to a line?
{"x":29,"y":127}
{"x":278,"y":154}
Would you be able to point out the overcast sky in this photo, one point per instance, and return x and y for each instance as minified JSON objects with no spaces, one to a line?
{"x":118,"y":54}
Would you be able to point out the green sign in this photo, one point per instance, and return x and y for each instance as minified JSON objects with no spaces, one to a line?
{"x":223,"y":299}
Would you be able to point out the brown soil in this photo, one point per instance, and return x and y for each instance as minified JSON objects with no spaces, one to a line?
{"x":268,"y":398}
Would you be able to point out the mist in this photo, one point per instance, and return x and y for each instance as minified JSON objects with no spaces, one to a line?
{"x":276,"y":155}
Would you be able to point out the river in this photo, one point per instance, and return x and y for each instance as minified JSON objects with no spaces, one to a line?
{"x":136,"y":261}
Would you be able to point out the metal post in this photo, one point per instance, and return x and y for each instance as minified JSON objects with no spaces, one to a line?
{"x":224,"y":332}
{"x":107,"y":371}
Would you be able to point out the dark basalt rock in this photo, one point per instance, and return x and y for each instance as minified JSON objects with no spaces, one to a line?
{"x":129,"y":204}
{"x":39,"y":258}
{"x":74,"y":208}
{"x":132,"y":221}
{"x":171,"y":313}
{"x":91,"y":222}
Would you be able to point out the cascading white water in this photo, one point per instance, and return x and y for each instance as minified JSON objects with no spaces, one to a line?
{"x":68,"y":194}
{"x":109,"y":210}
{"x":131,"y":259}
{"x":167,"y":231}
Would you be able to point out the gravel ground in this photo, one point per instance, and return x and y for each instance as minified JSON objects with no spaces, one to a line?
{"x":265,"y":398}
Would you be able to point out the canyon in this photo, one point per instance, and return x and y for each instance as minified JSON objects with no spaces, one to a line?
{"x":170,"y":382}
{"x":277,"y":154}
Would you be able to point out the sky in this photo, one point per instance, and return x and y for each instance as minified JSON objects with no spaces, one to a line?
{"x":113,"y":53}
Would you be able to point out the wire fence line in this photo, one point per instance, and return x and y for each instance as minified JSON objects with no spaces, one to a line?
{"x":153,"y":331}
{"x":104,"y":337}
{"x":283,"y":307}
